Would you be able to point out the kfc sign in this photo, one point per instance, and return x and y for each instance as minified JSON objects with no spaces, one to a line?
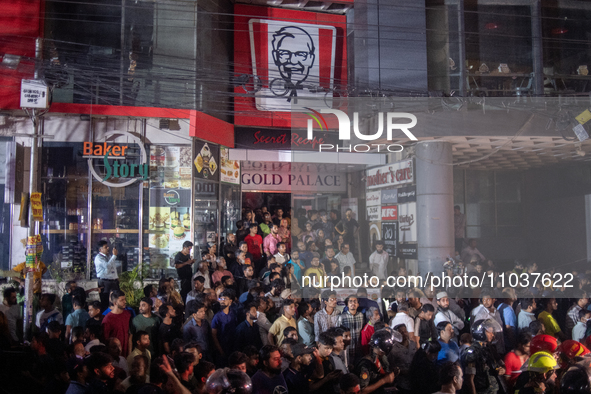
{"x":390,"y":213}
{"x":291,"y":60}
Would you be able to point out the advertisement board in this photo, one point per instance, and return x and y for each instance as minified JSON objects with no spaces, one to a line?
{"x":373,"y":198}
{"x":229,"y":169}
{"x":407,"y":219}
{"x":394,"y":174}
{"x":390,"y":237}
{"x":373,"y":214}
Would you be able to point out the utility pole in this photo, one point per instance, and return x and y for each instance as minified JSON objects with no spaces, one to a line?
{"x":35,"y":102}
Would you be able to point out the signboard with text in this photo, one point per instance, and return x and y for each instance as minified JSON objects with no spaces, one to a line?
{"x":373,"y":214}
{"x":281,"y":139}
{"x":394,"y":174}
{"x":229,"y":169}
{"x":407,"y":194}
{"x":408,"y":251}
{"x":286,"y":181}
{"x":390,"y":212}
{"x":373,"y":198}
{"x":390,"y":237}
{"x":388,"y":196}
{"x":407,"y":218}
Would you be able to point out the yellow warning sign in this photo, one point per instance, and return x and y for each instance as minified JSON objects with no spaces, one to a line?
{"x":584,"y":117}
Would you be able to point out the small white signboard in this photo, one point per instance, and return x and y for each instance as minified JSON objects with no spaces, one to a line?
{"x":33,"y":94}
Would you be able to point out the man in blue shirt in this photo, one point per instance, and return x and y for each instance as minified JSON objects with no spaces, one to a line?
{"x":508,"y":317}
{"x":76,"y":319}
{"x":223,"y":326}
{"x":248,"y":332}
{"x":449,"y":349}
{"x":197,"y":329}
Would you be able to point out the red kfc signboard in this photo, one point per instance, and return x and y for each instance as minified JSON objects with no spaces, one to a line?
{"x":286,"y":55}
{"x":390,"y":212}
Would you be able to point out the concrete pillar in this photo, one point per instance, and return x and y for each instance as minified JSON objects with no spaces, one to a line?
{"x":435,"y":231}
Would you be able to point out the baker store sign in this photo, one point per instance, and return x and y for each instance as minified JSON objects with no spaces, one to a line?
{"x":117,"y":168}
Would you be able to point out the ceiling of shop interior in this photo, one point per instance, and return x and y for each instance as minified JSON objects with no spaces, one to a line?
{"x":518,"y":153}
{"x":334,"y":6}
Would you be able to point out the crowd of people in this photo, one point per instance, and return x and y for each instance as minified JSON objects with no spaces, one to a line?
{"x":239,"y":320}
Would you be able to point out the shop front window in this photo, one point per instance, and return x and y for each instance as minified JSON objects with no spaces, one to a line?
{"x":115,"y":219}
{"x":230,"y":209}
{"x":168,"y":223}
{"x":206,"y":215}
{"x":64,"y":175}
{"x":4,"y":208}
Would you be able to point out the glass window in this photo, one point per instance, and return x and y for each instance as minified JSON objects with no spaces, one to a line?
{"x":565,"y":40}
{"x":64,"y":176}
{"x":4,"y":213}
{"x":493,"y":202}
{"x":206,"y":214}
{"x":508,"y":195}
{"x":168,"y":223}
{"x":115,"y":219}
{"x":480,"y":209}
{"x":231,"y":208}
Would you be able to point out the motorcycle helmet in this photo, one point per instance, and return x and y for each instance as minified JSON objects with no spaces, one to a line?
{"x":228,"y":381}
{"x":480,"y":327}
{"x":577,"y":380}
{"x":384,"y":340}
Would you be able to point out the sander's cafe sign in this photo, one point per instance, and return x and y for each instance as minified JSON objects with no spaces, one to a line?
{"x":118,"y":170}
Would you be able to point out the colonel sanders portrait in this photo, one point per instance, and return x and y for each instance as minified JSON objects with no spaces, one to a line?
{"x":293,"y":54}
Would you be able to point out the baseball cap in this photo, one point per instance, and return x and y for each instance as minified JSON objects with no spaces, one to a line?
{"x":301,"y":349}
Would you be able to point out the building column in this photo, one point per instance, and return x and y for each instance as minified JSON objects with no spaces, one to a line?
{"x":435,"y":221}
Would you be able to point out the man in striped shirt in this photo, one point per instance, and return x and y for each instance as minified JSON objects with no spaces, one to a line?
{"x":353,"y":320}
{"x":327,"y":317}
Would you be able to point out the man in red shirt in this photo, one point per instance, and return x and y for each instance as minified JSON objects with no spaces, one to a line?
{"x":116,"y":323}
{"x":255,"y":245}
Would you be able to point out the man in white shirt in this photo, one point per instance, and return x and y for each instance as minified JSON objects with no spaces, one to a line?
{"x":346,"y":258}
{"x":106,"y":272}
{"x":378,"y":261}
{"x":487,"y":310}
{"x":204,"y":273}
{"x":402,"y":317}
{"x":445,"y":314}
{"x":281,"y":257}
{"x":48,"y":312}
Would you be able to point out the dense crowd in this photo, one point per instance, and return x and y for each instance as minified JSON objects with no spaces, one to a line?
{"x":240,"y":320}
